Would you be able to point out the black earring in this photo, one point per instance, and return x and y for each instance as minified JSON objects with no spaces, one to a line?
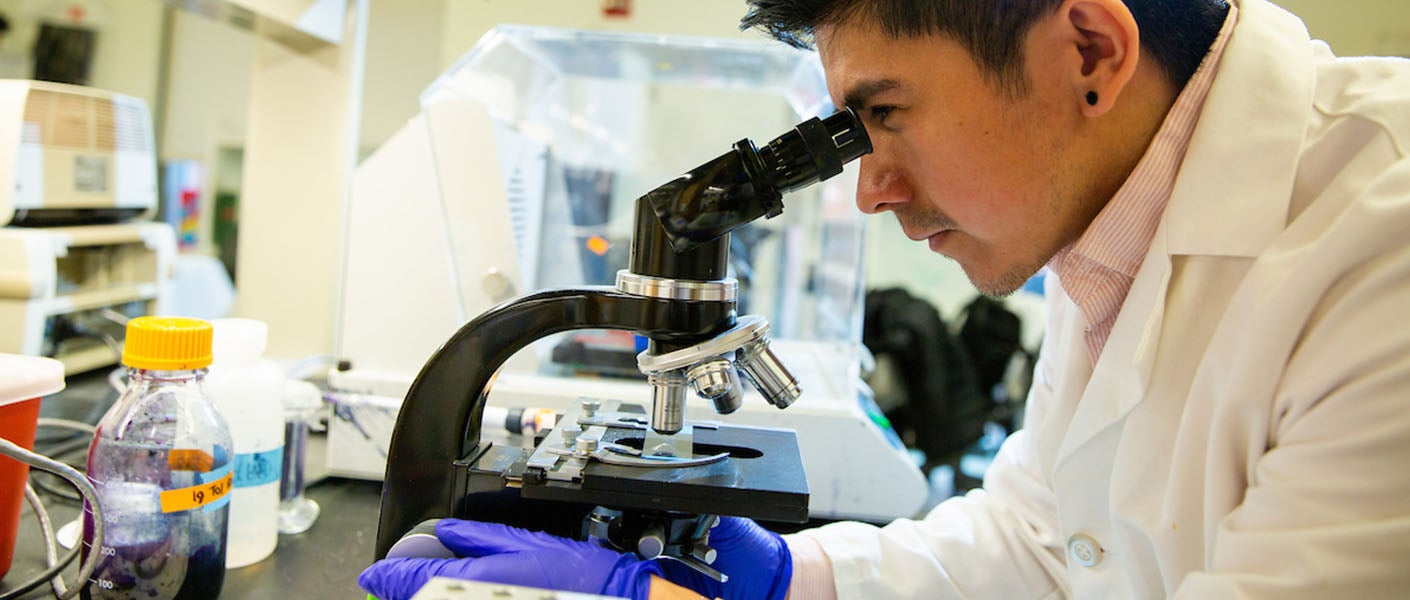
{"x":1091,"y":98}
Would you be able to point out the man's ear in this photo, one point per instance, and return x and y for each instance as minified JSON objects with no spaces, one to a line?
{"x":1107,"y":44}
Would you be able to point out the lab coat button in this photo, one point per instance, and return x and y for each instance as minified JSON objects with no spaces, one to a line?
{"x":1085,"y":550}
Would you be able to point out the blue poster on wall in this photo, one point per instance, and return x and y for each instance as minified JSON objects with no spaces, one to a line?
{"x":183,"y":186}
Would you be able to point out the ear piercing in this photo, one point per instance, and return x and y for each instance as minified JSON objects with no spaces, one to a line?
{"x":1091,"y":98}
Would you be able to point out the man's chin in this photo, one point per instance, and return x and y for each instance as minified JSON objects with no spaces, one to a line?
{"x":998,"y":285}
{"x":998,"y":290}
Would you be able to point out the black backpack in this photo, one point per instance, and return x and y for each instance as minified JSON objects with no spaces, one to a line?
{"x":950,"y":380}
{"x":992,"y":334}
{"x":943,"y":412}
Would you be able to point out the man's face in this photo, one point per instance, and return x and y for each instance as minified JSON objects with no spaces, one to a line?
{"x":982,"y":176}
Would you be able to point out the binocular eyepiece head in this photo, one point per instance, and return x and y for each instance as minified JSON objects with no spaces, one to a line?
{"x":749,"y":182}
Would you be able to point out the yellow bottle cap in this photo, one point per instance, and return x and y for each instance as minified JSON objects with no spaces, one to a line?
{"x":167,"y":344}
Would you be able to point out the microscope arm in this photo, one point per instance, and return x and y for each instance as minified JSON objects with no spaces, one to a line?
{"x":440,"y":419}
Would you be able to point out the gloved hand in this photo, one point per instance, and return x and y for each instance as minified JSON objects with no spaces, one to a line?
{"x":502,"y":554}
{"x":756,"y":560}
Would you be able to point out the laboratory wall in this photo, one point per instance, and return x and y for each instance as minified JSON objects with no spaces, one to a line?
{"x":466,"y":21}
{"x":207,"y":106}
{"x":126,"y":60}
{"x":404,"y":39}
{"x":1357,"y":27}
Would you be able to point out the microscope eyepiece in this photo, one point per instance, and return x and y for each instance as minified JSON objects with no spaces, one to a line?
{"x":815,"y":150}
{"x":747,"y":183}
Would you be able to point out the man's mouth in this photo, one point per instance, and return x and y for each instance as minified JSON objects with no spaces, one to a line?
{"x":921,"y":236}
{"x":927,"y":235}
{"x":938,"y":238}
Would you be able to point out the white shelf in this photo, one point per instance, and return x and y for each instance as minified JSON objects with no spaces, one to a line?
{"x":87,"y":358}
{"x":100,"y":298}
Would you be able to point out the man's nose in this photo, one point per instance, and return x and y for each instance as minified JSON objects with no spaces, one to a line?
{"x":880,"y":186}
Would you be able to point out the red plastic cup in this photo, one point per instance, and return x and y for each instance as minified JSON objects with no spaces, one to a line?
{"x":23,"y":380}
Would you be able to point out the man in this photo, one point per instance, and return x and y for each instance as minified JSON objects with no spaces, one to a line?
{"x":1222,"y":404}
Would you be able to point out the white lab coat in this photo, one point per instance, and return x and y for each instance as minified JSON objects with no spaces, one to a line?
{"x":1246,"y":430}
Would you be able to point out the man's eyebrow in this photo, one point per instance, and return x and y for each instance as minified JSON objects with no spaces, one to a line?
{"x":860,"y":94}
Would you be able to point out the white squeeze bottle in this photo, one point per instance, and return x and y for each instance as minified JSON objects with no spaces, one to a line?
{"x":248,"y":391}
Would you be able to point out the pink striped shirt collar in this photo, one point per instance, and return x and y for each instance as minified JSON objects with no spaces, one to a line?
{"x":1097,"y":270}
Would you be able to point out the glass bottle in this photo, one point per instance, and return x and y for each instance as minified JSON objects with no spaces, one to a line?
{"x":161,"y":461}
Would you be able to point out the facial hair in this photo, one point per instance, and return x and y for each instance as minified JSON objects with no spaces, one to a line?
{"x":925,"y":217}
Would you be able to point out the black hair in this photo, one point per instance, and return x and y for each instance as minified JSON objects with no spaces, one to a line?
{"x":1175,"y":33}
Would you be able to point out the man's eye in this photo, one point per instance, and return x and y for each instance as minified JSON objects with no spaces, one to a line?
{"x":881,"y":112}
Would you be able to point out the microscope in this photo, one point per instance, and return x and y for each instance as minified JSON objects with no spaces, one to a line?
{"x":648,"y":482}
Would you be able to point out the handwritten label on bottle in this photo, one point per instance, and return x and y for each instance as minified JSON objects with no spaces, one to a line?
{"x":258,"y":468}
{"x":213,"y":492}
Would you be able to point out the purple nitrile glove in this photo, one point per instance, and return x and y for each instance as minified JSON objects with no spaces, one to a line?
{"x":756,"y":560}
{"x":502,"y":554}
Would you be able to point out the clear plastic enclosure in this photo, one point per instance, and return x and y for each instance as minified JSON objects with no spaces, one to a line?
{"x":586,"y":122}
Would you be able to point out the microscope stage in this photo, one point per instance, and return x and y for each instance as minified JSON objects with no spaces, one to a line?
{"x":761,"y":478}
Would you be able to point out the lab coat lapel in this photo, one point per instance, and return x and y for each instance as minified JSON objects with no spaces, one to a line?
{"x":1123,"y":370}
{"x":1232,"y":195}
